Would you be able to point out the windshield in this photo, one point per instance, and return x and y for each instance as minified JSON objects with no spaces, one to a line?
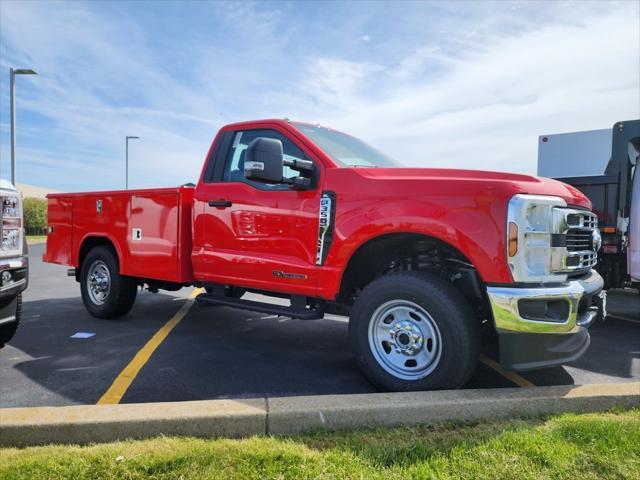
{"x":345,"y":150}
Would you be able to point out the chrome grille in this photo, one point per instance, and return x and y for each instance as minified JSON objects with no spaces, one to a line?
{"x":579,"y":239}
{"x":574,"y":246}
{"x":582,"y":219}
{"x":580,"y":260}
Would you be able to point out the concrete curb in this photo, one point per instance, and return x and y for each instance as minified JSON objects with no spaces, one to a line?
{"x":298,"y":414}
{"x":106,"y":423}
{"x":293,"y":415}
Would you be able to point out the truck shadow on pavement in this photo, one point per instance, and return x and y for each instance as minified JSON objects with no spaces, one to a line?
{"x":61,"y":370}
{"x":218,"y":352}
{"x":614,"y":349}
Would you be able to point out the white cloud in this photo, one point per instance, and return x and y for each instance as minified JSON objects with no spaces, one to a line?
{"x":336,"y":82}
{"x":473,"y":93}
{"x":99,"y":81}
{"x":486,"y":109}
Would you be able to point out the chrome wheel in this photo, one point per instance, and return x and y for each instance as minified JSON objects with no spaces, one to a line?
{"x":98,"y":282}
{"x":405,"y":340}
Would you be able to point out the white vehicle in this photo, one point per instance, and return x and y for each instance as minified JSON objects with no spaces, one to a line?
{"x":607,"y":162}
{"x":13,"y":261}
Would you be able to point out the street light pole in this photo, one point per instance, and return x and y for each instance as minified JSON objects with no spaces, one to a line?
{"x":12,"y":90}
{"x":12,"y":94}
{"x":126,"y":181}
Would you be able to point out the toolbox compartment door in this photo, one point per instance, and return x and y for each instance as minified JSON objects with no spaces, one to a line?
{"x":59,"y":230}
{"x":152,"y":236}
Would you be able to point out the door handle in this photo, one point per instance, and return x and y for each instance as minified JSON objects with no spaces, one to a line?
{"x":220,"y":203}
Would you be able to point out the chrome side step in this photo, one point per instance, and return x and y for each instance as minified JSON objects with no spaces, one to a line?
{"x":302,"y":313}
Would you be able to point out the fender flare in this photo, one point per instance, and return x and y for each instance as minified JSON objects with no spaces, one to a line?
{"x":100,"y":235}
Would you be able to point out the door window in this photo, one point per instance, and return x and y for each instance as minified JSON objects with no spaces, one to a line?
{"x":234,"y":165}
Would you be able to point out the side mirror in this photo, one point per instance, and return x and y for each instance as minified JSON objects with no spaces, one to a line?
{"x":264,"y":160}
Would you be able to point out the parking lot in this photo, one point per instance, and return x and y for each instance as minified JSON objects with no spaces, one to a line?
{"x":218,"y":352}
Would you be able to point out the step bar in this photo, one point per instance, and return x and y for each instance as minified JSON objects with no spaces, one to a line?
{"x":301,"y":313}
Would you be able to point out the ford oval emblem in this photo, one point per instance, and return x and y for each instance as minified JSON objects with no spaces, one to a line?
{"x":596,"y":240}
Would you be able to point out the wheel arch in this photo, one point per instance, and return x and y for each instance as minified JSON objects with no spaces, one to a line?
{"x":91,"y":241}
{"x":407,"y":251}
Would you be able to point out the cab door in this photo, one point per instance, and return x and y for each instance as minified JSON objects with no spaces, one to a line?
{"x":257,"y":235}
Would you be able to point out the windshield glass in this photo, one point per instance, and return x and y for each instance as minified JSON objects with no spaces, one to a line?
{"x":345,"y":150}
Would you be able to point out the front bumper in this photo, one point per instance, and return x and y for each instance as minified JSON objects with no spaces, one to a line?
{"x":541,"y":327}
{"x":18,"y":268}
{"x":8,"y":310}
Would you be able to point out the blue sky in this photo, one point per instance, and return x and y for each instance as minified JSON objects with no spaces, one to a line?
{"x":456,"y":84}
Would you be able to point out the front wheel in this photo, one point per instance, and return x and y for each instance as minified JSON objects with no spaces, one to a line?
{"x":106,"y":293}
{"x":414,"y":331}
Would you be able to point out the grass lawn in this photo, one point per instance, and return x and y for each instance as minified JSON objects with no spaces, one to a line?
{"x":570,"y":446}
{"x":36,"y":238}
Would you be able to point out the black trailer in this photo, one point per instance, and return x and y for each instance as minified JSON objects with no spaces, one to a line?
{"x":611,"y":194}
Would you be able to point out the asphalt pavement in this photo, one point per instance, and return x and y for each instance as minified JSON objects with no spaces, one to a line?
{"x":219,"y":352}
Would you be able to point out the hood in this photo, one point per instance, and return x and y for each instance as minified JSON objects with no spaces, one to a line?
{"x":472,"y":180}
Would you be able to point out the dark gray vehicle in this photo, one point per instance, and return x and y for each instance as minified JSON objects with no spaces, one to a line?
{"x":603,"y":164}
{"x":14,"y":264}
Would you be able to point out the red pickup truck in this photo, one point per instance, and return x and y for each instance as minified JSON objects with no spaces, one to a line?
{"x":422,"y":260}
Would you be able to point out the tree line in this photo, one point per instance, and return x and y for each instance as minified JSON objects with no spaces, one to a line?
{"x":35,"y":215}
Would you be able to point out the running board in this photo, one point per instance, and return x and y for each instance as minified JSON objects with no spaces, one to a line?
{"x":302,"y":313}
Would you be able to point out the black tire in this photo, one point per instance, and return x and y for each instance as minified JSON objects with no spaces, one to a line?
{"x":458,"y":333}
{"x":122,"y":290}
{"x":8,"y":330}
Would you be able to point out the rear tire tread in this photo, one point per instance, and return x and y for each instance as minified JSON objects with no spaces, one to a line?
{"x":123,"y":291}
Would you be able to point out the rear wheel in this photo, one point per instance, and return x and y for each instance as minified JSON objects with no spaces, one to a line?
{"x":106,"y":293}
{"x":8,"y":330}
{"x":414,"y":331}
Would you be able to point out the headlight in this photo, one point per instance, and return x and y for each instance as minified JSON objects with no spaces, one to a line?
{"x":11,"y":207}
{"x":10,"y":239}
{"x":529,"y":231}
{"x":11,"y":228}
{"x":546,"y":240}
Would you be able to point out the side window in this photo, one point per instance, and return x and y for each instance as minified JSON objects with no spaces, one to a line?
{"x":234,"y":165}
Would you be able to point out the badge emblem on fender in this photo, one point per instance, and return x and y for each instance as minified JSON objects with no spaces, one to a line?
{"x":281,"y":274}
{"x":326,"y":219}
{"x":596,"y":240}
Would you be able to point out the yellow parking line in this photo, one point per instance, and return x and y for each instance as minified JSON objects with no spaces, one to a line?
{"x":512,"y":376}
{"x":123,"y":381}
